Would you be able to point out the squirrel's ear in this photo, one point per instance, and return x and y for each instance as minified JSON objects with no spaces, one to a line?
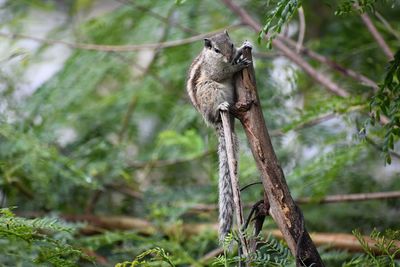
{"x":226,"y":32}
{"x":207,"y":42}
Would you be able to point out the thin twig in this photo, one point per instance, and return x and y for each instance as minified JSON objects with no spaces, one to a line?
{"x":211,"y":254}
{"x":317,"y":120}
{"x":387,"y":25}
{"x":126,"y":118}
{"x":92,"y":200}
{"x":157,"y":16}
{"x":125,"y":189}
{"x":325,"y":200}
{"x":112,"y":48}
{"x":169,"y":162}
{"x":332,"y":64}
{"x":375,"y":33}
{"x":302,"y":29}
{"x":351,"y":197}
{"x":374,"y":144}
{"x":232,"y":164}
{"x":312,"y":122}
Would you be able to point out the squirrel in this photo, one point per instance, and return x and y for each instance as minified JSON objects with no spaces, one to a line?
{"x":210,"y":86}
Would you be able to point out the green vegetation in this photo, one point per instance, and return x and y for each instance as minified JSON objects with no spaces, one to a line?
{"x":103,"y":160}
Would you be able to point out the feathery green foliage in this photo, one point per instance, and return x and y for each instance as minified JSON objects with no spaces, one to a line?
{"x":95,"y":134}
{"x":349,"y":6}
{"x":277,"y":18}
{"x":386,"y":102}
{"x":40,"y":241}
{"x":383,"y":246}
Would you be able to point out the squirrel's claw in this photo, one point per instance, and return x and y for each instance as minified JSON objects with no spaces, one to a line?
{"x":224,"y":106}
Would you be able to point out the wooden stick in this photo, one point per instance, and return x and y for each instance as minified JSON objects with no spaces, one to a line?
{"x":232,"y":163}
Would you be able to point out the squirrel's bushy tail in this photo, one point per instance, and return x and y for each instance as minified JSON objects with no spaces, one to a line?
{"x":225,"y":187}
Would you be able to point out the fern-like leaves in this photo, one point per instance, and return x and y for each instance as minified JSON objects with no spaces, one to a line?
{"x":386,"y":102}
{"x":277,"y":18}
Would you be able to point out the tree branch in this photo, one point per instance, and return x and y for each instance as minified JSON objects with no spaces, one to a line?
{"x":293,"y":56}
{"x":387,"y":25}
{"x":377,"y":36}
{"x":332,"y":64}
{"x":111,"y":48}
{"x":302,"y":29}
{"x":156,"y":15}
{"x":97,"y":224}
{"x":379,"y":147}
{"x":351,"y":197}
{"x":326,"y":200}
{"x":168,"y":162}
{"x":283,"y":209}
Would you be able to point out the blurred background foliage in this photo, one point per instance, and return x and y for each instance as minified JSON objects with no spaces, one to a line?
{"x":100,"y":133}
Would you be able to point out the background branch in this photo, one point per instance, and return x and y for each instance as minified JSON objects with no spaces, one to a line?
{"x":98,"y":224}
{"x":387,"y":25}
{"x":377,"y":36}
{"x":302,"y":29}
{"x":351,"y":197}
{"x":332,"y":64}
{"x":112,"y":48}
{"x":325,"y":200}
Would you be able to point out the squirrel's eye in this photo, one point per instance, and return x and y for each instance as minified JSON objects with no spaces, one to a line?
{"x":232,"y":45}
{"x":217,"y":50}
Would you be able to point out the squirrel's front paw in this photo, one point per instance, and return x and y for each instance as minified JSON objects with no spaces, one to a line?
{"x":224,"y":106}
{"x":244,"y":62}
{"x":247,"y":44}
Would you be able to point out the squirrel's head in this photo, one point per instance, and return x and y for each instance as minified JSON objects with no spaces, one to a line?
{"x":220,"y":46}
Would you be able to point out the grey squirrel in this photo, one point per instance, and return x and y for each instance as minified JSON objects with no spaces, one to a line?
{"x":210,"y":87}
